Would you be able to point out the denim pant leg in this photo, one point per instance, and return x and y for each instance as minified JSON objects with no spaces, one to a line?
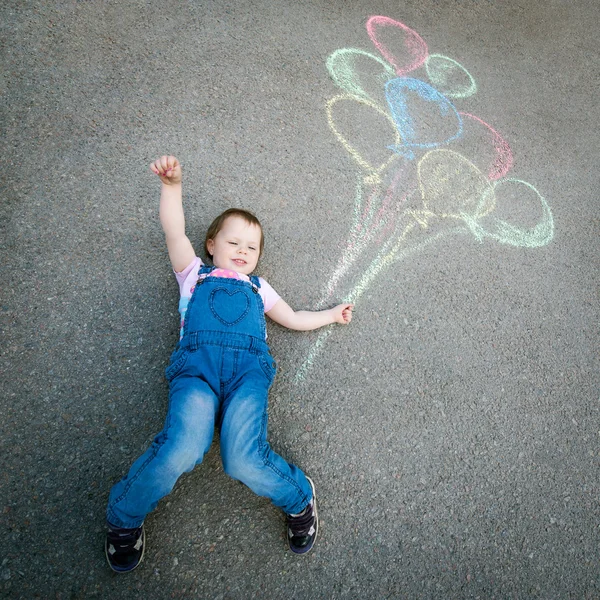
{"x":182,"y":444}
{"x":248,"y":457}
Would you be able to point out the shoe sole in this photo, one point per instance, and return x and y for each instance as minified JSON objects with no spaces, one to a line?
{"x":314,"y":498}
{"x":139,"y":562}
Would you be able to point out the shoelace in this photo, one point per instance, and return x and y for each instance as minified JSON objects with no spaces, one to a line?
{"x":301,"y":524}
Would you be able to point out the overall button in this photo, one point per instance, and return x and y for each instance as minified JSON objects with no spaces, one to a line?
{"x":268,"y":365}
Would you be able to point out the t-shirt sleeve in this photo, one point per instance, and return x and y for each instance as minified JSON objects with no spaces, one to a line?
{"x":182,"y":276}
{"x":268,"y":294}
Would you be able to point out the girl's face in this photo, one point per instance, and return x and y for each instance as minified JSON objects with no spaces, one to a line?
{"x":236,"y":246}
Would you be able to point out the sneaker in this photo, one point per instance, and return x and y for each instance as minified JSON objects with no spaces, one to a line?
{"x":124,"y":548}
{"x":303,"y":528}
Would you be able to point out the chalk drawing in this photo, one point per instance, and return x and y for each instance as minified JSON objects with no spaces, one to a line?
{"x":413,"y":49}
{"x":449,"y":77}
{"x":402,"y":94}
{"x":437,"y":171}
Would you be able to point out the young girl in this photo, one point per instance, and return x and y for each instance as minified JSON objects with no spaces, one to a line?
{"x":219,"y":374}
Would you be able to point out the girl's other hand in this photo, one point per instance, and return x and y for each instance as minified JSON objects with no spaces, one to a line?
{"x":343,"y":313}
{"x":168,"y":169}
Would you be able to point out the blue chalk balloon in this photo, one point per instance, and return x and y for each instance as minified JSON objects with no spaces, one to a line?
{"x":408,"y":97}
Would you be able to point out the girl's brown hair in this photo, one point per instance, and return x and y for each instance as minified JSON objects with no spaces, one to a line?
{"x":217,"y":225}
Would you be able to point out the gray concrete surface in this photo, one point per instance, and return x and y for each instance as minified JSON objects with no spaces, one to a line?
{"x":452,"y":429}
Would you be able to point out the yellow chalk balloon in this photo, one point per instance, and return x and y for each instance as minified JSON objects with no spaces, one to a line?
{"x":452,"y":186}
{"x":373,"y":171}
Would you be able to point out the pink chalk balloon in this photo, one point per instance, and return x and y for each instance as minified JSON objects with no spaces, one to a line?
{"x":503,"y":156}
{"x":413,"y":44}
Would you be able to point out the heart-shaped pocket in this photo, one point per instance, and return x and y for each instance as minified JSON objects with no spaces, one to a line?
{"x":229,"y":307}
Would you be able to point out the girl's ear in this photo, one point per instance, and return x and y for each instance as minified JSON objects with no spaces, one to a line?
{"x":210,"y":246}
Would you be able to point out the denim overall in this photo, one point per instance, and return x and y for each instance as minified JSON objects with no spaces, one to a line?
{"x":219,"y":374}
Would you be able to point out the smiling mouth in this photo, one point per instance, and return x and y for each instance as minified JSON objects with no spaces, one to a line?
{"x":239,"y":261}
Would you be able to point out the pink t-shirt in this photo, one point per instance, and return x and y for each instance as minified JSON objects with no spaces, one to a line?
{"x":188,"y":278}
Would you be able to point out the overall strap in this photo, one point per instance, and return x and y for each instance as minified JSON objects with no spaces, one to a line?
{"x":205,"y":270}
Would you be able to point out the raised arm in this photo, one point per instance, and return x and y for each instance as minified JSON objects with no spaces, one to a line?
{"x":306,"y":320}
{"x":181,"y":251}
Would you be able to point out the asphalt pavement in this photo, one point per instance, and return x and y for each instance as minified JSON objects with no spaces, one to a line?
{"x":436,"y":163}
